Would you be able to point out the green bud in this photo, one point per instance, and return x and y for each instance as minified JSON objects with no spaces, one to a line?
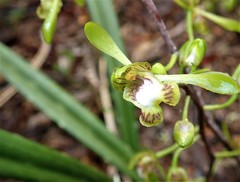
{"x":183,"y":52}
{"x":48,"y":10}
{"x":183,"y":133}
{"x":192,"y":53}
{"x":177,"y":174}
{"x":158,"y":68}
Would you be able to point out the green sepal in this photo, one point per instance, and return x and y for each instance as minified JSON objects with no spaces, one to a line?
{"x":123,"y":74}
{"x":104,"y":42}
{"x":151,"y":116}
{"x":216,"y":82}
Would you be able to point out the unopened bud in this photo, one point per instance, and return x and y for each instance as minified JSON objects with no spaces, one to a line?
{"x":177,"y":174}
{"x":192,"y":53}
{"x":183,"y":133}
{"x":158,"y":68}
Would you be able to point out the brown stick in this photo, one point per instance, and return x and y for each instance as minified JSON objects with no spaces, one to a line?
{"x":160,"y":24}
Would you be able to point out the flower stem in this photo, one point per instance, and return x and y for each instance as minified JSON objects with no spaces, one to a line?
{"x":224,"y":154}
{"x":176,"y":157}
{"x":178,"y":151}
{"x":172,"y":61}
{"x":189,"y":25}
{"x":166,"y":151}
{"x":185,"y":108}
{"x":229,"y":102}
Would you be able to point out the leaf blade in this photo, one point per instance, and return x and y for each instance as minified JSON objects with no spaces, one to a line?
{"x":104,"y":42}
{"x":17,"y":148}
{"x":64,"y":110}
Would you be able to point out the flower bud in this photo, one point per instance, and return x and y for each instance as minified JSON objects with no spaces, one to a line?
{"x":177,"y":174}
{"x":192,"y":53}
{"x":158,"y":68}
{"x":197,"y":52}
{"x":183,"y":133}
{"x":183,"y":52}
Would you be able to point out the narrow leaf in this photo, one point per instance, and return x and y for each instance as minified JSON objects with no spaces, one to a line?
{"x":12,"y":169}
{"x":217,"y":82}
{"x":227,"y":23}
{"x":103,"y":13}
{"x":64,"y":109}
{"x":18,"y":148}
{"x":104,"y":42}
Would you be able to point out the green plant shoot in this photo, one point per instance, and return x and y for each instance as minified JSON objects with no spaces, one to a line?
{"x":48,"y":10}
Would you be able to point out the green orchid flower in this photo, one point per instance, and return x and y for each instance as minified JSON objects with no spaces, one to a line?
{"x":140,"y":86}
{"x":148,"y":86}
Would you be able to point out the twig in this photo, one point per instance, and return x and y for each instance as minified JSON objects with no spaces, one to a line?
{"x":106,"y":99}
{"x":160,"y":24}
{"x":108,"y":113}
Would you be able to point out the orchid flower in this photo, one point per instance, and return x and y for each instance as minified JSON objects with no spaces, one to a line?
{"x":145,"y":91}
{"x":148,"y":86}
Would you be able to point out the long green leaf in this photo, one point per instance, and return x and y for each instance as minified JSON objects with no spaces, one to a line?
{"x":20,"y":149}
{"x":227,"y":23}
{"x":216,"y":82}
{"x":28,"y":172}
{"x":64,"y":109}
{"x":103,"y":13}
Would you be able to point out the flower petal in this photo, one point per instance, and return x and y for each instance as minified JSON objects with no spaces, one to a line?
{"x":170,"y":93}
{"x":151,"y":116}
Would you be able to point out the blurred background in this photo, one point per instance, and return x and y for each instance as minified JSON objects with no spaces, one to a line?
{"x":74,"y":64}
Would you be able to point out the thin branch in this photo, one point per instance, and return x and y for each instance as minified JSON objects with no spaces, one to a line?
{"x":160,"y":24}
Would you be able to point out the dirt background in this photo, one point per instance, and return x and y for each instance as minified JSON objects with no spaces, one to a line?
{"x":73,"y":63}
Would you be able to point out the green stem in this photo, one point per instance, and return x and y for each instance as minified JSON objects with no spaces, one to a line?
{"x":172,"y":61}
{"x":185,"y":108}
{"x":189,"y":25}
{"x":224,"y":154}
{"x":229,"y":102}
{"x":166,"y":151}
{"x":176,"y":157}
{"x":178,"y":151}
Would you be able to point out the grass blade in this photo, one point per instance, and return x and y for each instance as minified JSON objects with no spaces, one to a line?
{"x":103,"y":13}
{"x":18,"y":148}
{"x":64,"y":109}
{"x":28,"y":172}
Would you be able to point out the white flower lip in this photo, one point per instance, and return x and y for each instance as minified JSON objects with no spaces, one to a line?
{"x":148,"y":94}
